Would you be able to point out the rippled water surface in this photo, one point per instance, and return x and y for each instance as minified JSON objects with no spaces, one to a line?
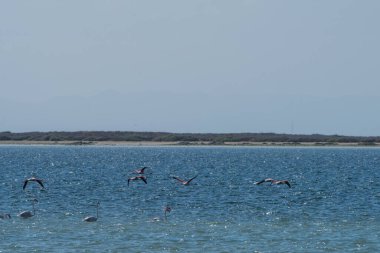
{"x":333,"y":205}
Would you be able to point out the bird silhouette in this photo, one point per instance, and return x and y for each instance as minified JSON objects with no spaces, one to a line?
{"x":33,"y":179}
{"x":28,"y":214}
{"x":184,"y":182}
{"x":273,"y":181}
{"x":143,"y":178}
{"x":140,"y":170}
{"x":93,"y":218}
{"x":5,"y":216}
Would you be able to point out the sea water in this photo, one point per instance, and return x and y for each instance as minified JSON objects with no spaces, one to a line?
{"x":332,"y":206}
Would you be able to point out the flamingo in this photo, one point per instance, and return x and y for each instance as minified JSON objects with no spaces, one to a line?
{"x":92,"y":218}
{"x":28,"y":214}
{"x":143,"y":178}
{"x":273,"y":181}
{"x":185,"y":182}
{"x":5,"y":216}
{"x":33,"y":179}
{"x":167,"y":209}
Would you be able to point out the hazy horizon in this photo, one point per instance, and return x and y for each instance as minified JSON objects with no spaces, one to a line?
{"x":295,"y":67}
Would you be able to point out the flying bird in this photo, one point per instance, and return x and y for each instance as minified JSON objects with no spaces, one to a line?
{"x":273,"y":181}
{"x":140,"y":170}
{"x":33,"y":179}
{"x":93,"y":218}
{"x":143,"y":178}
{"x":185,"y":182}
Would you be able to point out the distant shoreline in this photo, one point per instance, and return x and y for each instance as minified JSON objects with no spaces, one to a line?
{"x":130,"y":138}
{"x":187,"y":143}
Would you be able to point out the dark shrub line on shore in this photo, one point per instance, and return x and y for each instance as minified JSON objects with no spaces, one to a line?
{"x":183,"y":137}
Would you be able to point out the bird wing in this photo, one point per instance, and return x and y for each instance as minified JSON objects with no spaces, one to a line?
{"x":25,"y":183}
{"x":144,"y":179}
{"x":260,"y":182}
{"x":40,"y":182}
{"x":181,"y":180}
{"x":191,"y":179}
{"x":128,"y":181}
{"x":140,"y":170}
{"x":286,"y":182}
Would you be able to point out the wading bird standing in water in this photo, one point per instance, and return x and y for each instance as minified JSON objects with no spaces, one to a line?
{"x":28,"y":214}
{"x":33,"y":179}
{"x":143,"y":178}
{"x":5,"y":216}
{"x":273,"y":181}
{"x":92,"y":218}
{"x":185,"y":182}
{"x":167,"y":209}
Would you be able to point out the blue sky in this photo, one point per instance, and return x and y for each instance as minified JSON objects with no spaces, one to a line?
{"x":292,"y":66}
